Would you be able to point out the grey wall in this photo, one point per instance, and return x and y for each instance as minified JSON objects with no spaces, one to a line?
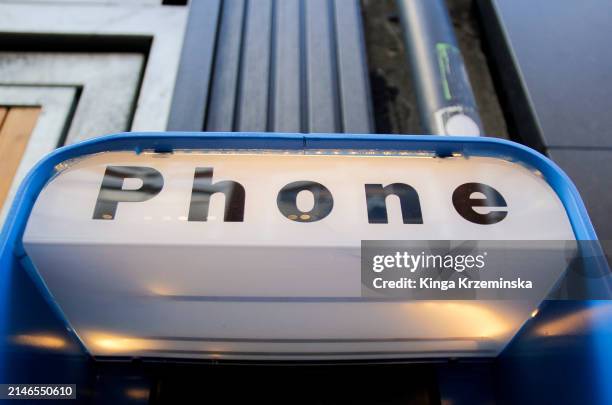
{"x":554,"y":64}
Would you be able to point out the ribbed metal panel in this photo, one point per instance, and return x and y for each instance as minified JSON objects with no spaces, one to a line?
{"x":278,"y":66}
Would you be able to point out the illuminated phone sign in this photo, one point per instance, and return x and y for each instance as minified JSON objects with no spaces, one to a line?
{"x":257,"y":255}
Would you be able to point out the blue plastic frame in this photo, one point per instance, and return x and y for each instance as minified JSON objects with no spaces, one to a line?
{"x":12,"y":254}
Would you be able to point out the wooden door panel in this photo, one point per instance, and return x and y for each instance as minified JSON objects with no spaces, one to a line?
{"x":17,"y":124}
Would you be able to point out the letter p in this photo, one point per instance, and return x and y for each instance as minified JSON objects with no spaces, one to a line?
{"x":112,"y":192}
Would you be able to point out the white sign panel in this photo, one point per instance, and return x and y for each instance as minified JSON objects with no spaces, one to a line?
{"x":257,"y":255}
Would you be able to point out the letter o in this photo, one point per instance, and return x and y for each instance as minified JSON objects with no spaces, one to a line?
{"x":287,"y":201}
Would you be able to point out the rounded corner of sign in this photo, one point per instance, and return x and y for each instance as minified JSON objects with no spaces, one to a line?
{"x":558,"y":180}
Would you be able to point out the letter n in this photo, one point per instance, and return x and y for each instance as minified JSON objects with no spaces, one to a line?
{"x":376,"y":196}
